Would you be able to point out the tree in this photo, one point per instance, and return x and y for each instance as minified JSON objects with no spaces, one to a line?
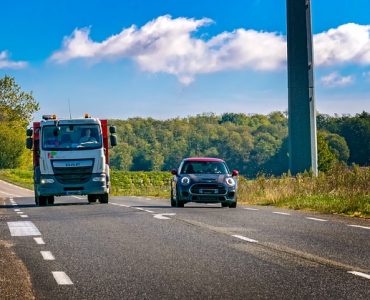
{"x":16,"y":109}
{"x":326,"y":158}
{"x":15,"y":104}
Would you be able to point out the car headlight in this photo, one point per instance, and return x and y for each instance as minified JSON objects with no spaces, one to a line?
{"x":230,"y":181}
{"x":185,"y":180}
{"x":49,"y":180}
{"x":99,"y":179}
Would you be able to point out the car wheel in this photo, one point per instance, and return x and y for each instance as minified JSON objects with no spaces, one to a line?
{"x":92,"y":198}
{"x":103,"y":198}
{"x":232,"y":205}
{"x":173,"y":201}
{"x":179,"y":203}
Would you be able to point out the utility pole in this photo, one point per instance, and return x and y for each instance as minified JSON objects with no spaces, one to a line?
{"x":301,"y":96}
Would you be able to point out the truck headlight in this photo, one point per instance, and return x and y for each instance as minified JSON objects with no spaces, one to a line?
{"x":230,"y":181}
{"x":45,"y":181}
{"x":98,"y":179}
{"x":185,"y":180}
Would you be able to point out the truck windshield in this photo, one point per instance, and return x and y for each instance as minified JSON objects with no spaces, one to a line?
{"x":204,"y":167}
{"x":67,"y":137}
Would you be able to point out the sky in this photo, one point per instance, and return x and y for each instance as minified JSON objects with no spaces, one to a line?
{"x":176,"y":58}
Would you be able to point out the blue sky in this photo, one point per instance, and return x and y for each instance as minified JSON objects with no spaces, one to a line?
{"x":167,"y":58}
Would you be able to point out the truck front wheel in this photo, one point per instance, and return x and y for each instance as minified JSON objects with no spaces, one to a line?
{"x":43,"y":200}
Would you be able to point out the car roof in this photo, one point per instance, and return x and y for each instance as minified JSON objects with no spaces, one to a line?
{"x":206,"y":159}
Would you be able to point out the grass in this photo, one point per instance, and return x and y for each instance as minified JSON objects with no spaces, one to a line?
{"x":342,"y":190}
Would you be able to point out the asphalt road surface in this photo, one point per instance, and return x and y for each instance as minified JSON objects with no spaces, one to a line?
{"x":141,"y":248}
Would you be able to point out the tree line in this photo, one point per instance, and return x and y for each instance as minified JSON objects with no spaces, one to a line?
{"x":253,"y":144}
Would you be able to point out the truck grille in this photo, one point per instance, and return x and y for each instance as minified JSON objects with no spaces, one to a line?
{"x":75,"y":175}
{"x":208,"y":189}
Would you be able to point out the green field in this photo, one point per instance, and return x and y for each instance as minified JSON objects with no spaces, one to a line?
{"x":342,"y":190}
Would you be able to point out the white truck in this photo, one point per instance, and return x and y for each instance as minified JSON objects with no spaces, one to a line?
{"x":70,"y":157}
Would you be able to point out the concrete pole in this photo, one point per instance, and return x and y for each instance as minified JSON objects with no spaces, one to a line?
{"x":301,"y":93}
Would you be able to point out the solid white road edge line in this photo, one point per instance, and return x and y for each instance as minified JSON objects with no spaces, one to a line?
{"x":367,"y":276}
{"x":281,"y":213}
{"x":245,"y":238}
{"x":39,"y":240}
{"x":61,"y":278}
{"x":248,"y":208}
{"x":358,"y":226}
{"x":47,"y":255}
{"x":316,"y":219}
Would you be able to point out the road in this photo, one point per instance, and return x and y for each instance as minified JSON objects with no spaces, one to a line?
{"x":140,"y":248}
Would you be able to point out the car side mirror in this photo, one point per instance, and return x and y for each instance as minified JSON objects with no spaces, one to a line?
{"x":113,"y":140}
{"x":174,"y":172}
{"x":29,"y":143}
{"x":235,"y":173}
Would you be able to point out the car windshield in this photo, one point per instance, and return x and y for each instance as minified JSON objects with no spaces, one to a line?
{"x":67,"y":137}
{"x":204,"y":167}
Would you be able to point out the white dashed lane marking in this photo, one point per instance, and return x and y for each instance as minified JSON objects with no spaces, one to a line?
{"x":358,"y":226}
{"x":316,"y":219}
{"x":248,"y":208}
{"x":23,"y":228}
{"x":39,"y":241}
{"x":281,"y":213}
{"x":62,"y":278}
{"x":363,"y":275}
{"x":24,"y":216}
{"x":17,"y":209}
{"x":163,"y":216}
{"x":245,"y":238}
{"x":47,"y":255}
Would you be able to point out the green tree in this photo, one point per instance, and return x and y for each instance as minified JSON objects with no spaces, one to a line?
{"x":326,"y":158}
{"x":16,"y":109}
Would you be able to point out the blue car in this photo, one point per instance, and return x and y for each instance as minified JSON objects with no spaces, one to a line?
{"x":204,"y":180}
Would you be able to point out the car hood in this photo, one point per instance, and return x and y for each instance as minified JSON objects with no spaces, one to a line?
{"x":208,"y":178}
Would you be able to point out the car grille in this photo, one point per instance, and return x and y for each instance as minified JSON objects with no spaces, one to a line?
{"x":75,"y":175}
{"x":208,"y":189}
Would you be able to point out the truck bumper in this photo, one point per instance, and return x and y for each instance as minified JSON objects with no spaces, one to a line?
{"x":50,"y":186}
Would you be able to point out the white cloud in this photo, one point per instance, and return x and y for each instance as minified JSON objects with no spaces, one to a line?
{"x":6,"y":63}
{"x":334,"y":79}
{"x":167,"y":45}
{"x":348,"y":43}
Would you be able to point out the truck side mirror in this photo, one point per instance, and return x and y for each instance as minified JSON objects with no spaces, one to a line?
{"x":235,"y":173}
{"x":112,"y":129}
{"x":174,"y":172}
{"x":113,"y":140}
{"x":29,"y":132}
{"x":29,"y":143}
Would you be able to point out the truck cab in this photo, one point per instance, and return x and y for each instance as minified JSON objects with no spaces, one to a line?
{"x":71,"y":158}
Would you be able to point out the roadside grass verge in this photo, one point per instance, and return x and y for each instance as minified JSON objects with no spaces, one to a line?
{"x":23,"y":178}
{"x":342,"y":190}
